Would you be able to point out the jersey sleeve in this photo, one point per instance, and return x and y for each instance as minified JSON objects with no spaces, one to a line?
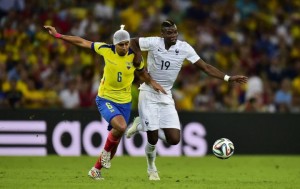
{"x":148,"y":43}
{"x":96,"y":46}
{"x":192,"y":56}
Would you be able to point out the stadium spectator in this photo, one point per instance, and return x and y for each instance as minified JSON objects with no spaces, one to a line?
{"x":86,"y":95}
{"x":2,"y":79}
{"x":14,"y":97}
{"x":69,"y":96}
{"x":114,"y":95}
{"x":103,"y":10}
{"x":254,"y":87}
{"x":157,"y":111}
{"x":34,"y":98}
{"x":50,"y":95}
{"x":239,"y":36}
{"x":283,"y":96}
{"x":251,"y":105}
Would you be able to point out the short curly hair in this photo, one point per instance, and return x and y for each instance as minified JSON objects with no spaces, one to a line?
{"x":166,"y":24}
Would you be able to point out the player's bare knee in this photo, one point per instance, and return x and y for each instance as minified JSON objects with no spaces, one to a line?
{"x":122,"y":129}
{"x":173,"y":141}
{"x":152,"y":141}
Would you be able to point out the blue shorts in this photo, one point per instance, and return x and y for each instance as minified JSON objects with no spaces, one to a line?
{"x":109,"y":109}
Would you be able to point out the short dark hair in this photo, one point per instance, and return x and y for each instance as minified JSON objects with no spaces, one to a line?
{"x":166,"y":24}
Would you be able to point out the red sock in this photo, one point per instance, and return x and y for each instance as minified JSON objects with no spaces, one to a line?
{"x":111,"y":142}
{"x":98,"y":164}
{"x":114,"y":150}
{"x":111,"y":145}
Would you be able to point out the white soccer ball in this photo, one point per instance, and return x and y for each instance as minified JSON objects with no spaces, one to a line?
{"x":223,"y":148}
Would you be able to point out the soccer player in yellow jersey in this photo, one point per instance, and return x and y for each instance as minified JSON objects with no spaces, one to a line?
{"x":114,"y":93}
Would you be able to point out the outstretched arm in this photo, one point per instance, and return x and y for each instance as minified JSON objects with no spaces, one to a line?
{"x":214,"y":72}
{"x":71,"y":39}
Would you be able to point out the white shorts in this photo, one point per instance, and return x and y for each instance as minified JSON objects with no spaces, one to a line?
{"x":157,"y":111}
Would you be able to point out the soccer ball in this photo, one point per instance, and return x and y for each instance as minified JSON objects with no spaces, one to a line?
{"x":223,"y":148}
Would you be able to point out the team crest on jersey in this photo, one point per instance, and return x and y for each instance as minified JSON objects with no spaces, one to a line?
{"x":128,"y":65}
{"x":176,"y":51}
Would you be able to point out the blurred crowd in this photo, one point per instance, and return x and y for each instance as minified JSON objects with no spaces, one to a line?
{"x":259,"y":39}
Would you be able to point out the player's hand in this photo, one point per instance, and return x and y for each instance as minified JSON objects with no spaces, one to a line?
{"x":157,"y":87}
{"x":238,"y":79}
{"x":52,"y":31}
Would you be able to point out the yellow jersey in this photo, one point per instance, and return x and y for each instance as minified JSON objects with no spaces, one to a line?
{"x":118,"y":73}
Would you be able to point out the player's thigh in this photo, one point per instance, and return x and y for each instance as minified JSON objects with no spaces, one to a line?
{"x":168,"y":117}
{"x":109,"y":110}
{"x":148,"y":111}
{"x":125,"y":110}
{"x":119,"y":125}
{"x":172,"y":135}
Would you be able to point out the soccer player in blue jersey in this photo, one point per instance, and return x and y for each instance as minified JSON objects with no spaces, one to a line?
{"x":114,"y":93}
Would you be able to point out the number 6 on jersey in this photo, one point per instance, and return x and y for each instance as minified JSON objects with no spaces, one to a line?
{"x":119,"y":78}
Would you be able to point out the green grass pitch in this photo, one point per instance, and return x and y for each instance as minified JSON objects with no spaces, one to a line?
{"x":245,"y":172}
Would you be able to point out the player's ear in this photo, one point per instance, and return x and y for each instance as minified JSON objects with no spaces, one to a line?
{"x":162,"y":32}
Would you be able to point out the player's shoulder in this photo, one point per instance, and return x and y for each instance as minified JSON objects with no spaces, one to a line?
{"x":130,"y":52}
{"x":152,"y":39}
{"x":102,"y":46}
{"x":183,"y":45}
